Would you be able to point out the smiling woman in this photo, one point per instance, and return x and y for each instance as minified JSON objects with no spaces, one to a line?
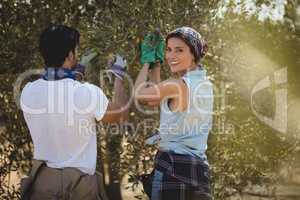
{"x":181,"y":168}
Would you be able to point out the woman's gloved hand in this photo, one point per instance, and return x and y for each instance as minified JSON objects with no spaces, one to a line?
{"x":147,"y":48}
{"x":160,"y":48}
{"x":152,"y":49}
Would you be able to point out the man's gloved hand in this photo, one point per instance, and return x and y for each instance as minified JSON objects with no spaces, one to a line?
{"x":90,"y":57}
{"x":117,"y":66}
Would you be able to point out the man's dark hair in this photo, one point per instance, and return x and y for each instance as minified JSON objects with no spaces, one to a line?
{"x":56,"y":42}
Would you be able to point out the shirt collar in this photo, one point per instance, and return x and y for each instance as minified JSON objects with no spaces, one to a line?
{"x":198,"y":72}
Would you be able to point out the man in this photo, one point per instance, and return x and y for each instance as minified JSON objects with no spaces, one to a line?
{"x":61,"y":115}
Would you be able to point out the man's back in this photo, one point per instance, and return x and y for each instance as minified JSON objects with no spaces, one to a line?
{"x":61,"y":117}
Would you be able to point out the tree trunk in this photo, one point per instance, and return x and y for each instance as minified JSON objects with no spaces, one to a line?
{"x":113,"y":155}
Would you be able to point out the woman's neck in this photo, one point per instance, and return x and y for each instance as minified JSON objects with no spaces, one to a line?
{"x":192,"y":68}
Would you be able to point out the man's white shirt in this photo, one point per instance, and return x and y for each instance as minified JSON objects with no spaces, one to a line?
{"x":61,"y":117}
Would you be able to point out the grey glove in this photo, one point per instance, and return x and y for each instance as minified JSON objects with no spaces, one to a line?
{"x":117,"y":66}
{"x":89,"y":57}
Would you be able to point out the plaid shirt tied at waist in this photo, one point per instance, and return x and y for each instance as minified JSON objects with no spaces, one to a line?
{"x":188,"y":169}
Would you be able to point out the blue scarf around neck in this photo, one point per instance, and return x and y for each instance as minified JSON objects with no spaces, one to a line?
{"x":52,"y":74}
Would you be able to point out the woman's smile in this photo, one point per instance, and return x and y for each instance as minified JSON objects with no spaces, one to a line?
{"x":173,"y":62}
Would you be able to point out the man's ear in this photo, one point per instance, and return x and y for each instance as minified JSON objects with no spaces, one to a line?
{"x":70,"y":56}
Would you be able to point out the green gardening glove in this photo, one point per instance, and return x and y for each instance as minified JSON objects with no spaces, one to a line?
{"x":160,"y":48}
{"x":147,"y":48}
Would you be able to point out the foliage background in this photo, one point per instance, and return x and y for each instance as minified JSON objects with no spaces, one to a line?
{"x":243,"y":151}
